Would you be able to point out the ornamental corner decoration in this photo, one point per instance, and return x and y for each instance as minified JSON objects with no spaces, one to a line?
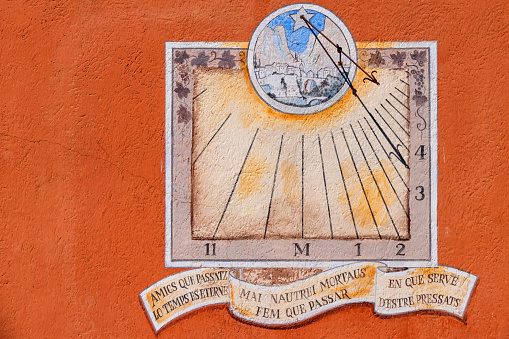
{"x":301,"y":175}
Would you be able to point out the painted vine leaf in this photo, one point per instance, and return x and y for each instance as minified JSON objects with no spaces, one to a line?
{"x":420,"y":57}
{"x":180,"y":56}
{"x":376,"y":59}
{"x":201,"y":60}
{"x":227,"y":60}
{"x":183,"y":114}
{"x":398,"y":58}
{"x":181,"y":91}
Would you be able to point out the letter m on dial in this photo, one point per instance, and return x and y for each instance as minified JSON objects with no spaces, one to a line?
{"x":301,"y":251}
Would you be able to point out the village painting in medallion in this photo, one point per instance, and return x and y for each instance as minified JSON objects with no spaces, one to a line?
{"x":289,"y":67}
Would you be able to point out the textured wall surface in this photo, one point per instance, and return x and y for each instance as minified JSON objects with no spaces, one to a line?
{"x":82,"y":150}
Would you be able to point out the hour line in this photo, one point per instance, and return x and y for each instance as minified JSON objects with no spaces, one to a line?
{"x":302,"y":188}
{"x":397,"y":89}
{"x":363,"y":190}
{"x":397,"y":110}
{"x":197,"y":95}
{"x":393,"y":165}
{"x":344,"y":184}
{"x":374,"y":179}
{"x":213,"y":136}
{"x":395,"y":149}
{"x":273,"y":185}
{"x":235,"y":185}
{"x":325,"y":184}
{"x":406,"y":83}
{"x":402,"y":128}
{"x":383,"y":169}
{"x":402,"y":104}
{"x":397,"y":136}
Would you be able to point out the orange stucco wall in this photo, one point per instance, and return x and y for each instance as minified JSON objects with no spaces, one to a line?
{"x":82,"y":150}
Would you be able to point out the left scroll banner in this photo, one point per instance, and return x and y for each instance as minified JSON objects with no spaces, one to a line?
{"x":272,"y":303}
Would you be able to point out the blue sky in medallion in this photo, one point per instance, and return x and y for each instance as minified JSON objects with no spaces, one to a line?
{"x":298,"y":40}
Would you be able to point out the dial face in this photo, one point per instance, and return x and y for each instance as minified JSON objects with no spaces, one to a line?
{"x":249,"y":186}
{"x":290,"y":69}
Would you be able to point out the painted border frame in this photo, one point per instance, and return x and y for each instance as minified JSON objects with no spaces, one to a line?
{"x":433,"y":255}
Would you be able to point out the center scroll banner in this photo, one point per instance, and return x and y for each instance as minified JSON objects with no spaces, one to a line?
{"x":274,"y":297}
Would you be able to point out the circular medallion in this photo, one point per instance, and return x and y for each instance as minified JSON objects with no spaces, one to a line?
{"x":289,"y":59}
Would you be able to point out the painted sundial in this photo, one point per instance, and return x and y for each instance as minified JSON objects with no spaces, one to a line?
{"x":281,"y":152}
{"x":290,"y":69}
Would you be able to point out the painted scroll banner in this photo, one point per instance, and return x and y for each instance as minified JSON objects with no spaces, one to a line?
{"x":253,"y":300}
